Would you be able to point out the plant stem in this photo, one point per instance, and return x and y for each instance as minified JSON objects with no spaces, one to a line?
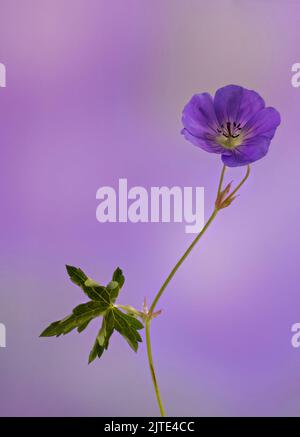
{"x":242,"y":182}
{"x":148,"y":321}
{"x":172,"y":273}
{"x":184,"y":256}
{"x":221,"y":180}
{"x":152,"y":370}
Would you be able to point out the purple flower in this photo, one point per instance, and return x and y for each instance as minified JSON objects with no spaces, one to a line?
{"x":235,"y":123}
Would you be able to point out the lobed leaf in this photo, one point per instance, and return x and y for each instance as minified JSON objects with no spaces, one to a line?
{"x":101,"y":304}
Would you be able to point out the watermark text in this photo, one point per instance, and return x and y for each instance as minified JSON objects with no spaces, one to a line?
{"x":2,"y":76}
{"x":2,"y":335}
{"x":160,"y":204}
{"x":295,"y":80}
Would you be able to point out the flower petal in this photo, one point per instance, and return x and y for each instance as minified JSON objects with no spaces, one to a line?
{"x":227,"y":103}
{"x":263,"y":123}
{"x":234,"y":103}
{"x":251,"y":150}
{"x":250,"y":104}
{"x":198,"y":115}
{"x":204,"y":143}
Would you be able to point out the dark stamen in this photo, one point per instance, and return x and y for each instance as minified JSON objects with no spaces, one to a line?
{"x":231,"y":130}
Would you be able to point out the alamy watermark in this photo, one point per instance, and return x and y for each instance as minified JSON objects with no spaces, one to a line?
{"x":2,"y":335}
{"x":2,"y":76}
{"x":295,"y":340}
{"x":160,"y":204}
{"x":295,"y":79}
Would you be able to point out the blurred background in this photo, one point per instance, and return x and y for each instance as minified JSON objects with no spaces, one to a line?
{"x":95,"y":90}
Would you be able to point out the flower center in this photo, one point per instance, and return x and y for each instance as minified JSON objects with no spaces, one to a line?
{"x":230,"y":135}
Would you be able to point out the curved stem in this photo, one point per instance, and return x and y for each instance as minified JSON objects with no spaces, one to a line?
{"x":241,"y":183}
{"x":158,"y":296}
{"x":172,"y":273}
{"x":178,"y":264}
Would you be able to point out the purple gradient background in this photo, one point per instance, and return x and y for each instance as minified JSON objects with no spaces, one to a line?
{"x":94,"y":93}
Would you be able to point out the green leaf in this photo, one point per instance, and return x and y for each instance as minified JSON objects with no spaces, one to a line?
{"x":113,"y":289}
{"x":80,"y":317}
{"x":83,"y":326}
{"x":96,"y":351}
{"x":116,"y":284}
{"x":128,"y":327}
{"x":109,"y":327}
{"x":102,"y":339}
{"x":76,"y":275}
{"x":94,"y":290}
{"x":119,"y":277}
{"x":97,"y":293}
{"x":91,"y":309}
{"x":91,"y":288}
{"x":51,"y":330}
{"x":101,"y":304}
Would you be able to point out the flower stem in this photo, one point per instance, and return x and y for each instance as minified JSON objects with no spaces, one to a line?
{"x":184,"y":256}
{"x":148,"y":321}
{"x":241,"y":183}
{"x":221,"y":180}
{"x":152,"y":370}
{"x":172,"y":273}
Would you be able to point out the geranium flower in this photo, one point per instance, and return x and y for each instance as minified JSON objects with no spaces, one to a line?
{"x":235,"y":123}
